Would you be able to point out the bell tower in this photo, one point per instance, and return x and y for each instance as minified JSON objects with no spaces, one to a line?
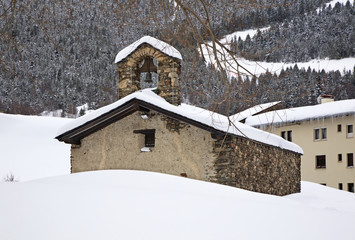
{"x":150,"y":62}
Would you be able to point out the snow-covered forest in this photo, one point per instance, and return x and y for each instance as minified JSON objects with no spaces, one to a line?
{"x":59,"y":55}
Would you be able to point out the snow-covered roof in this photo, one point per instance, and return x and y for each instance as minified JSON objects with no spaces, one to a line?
{"x":252,"y":111}
{"x":211,"y":119}
{"x":158,"y":44}
{"x":330,"y":109}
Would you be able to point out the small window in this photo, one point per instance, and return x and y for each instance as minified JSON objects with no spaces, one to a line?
{"x":316,"y":134}
{"x":340,"y":186}
{"x":349,"y":131}
{"x":320,"y":133}
{"x":351,"y":187}
{"x":339,"y":127}
{"x":289,"y":136}
{"x":320,"y":161}
{"x":324,"y":184}
{"x":340,"y":157}
{"x":283,"y":134}
{"x":350,"y":160}
{"x":324,"y":133}
{"x":150,"y":140}
{"x":149,"y":136}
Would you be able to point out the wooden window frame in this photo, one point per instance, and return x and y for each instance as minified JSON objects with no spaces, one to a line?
{"x":149,"y":136}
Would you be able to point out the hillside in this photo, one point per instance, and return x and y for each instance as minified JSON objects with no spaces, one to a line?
{"x":59,"y":56}
{"x":28,"y":148}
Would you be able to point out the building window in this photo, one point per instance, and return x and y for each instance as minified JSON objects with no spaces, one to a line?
{"x":320,"y":161}
{"x":316,"y":134}
{"x":351,"y":187}
{"x":340,"y":186}
{"x":350,"y":160}
{"x":340,"y":157}
{"x":149,"y":136}
{"x":324,"y":184}
{"x":324,"y":133}
{"x":283,"y":134}
{"x":320,"y":133}
{"x":289,"y":136}
{"x":349,"y":131}
{"x":339,"y":127}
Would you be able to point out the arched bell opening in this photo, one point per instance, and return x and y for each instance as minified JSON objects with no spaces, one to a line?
{"x":148,"y":72}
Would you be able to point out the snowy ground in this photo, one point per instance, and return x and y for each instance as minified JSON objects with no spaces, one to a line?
{"x":257,"y":68}
{"x":123,"y":204}
{"x":28,"y":148}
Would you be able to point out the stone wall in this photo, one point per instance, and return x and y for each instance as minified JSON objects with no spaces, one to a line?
{"x":254,"y":166}
{"x":168,"y":73}
{"x":184,"y":150}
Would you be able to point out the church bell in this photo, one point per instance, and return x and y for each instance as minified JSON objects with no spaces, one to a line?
{"x":148,"y":67}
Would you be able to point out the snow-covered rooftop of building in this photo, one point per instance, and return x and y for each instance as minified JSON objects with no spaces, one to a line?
{"x":158,"y":44}
{"x":216,"y":121}
{"x":252,"y":111}
{"x":330,"y":109}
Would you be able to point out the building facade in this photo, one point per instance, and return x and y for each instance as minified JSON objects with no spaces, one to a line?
{"x":326,"y":134}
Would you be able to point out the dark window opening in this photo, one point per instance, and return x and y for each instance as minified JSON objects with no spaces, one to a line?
{"x":349,"y":130}
{"x":316,"y":134}
{"x":289,"y":136}
{"x":283,"y":134}
{"x":320,"y":161}
{"x":351,"y":187}
{"x":150,"y":140}
{"x":149,"y":136}
{"x":340,"y":157}
{"x":350,"y":160}
{"x":320,"y":133}
{"x":339,"y":127}
{"x":324,"y":184}
{"x":340,"y":186}
{"x":324,"y":133}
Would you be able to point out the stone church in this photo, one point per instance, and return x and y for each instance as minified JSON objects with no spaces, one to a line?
{"x":149,"y":129}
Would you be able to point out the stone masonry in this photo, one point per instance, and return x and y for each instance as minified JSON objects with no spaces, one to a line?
{"x":243,"y":163}
{"x":168,"y":73}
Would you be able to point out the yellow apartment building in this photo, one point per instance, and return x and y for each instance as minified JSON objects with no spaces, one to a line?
{"x":326,"y":134}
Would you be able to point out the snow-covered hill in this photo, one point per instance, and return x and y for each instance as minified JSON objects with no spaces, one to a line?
{"x":257,"y":67}
{"x":126,"y":204}
{"x":123,"y":204}
{"x":28,"y":148}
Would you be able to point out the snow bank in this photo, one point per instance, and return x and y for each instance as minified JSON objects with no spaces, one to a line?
{"x":337,"y":108}
{"x":28,"y":148}
{"x":212,"y":119}
{"x":133,"y":205}
{"x":160,"y":45}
